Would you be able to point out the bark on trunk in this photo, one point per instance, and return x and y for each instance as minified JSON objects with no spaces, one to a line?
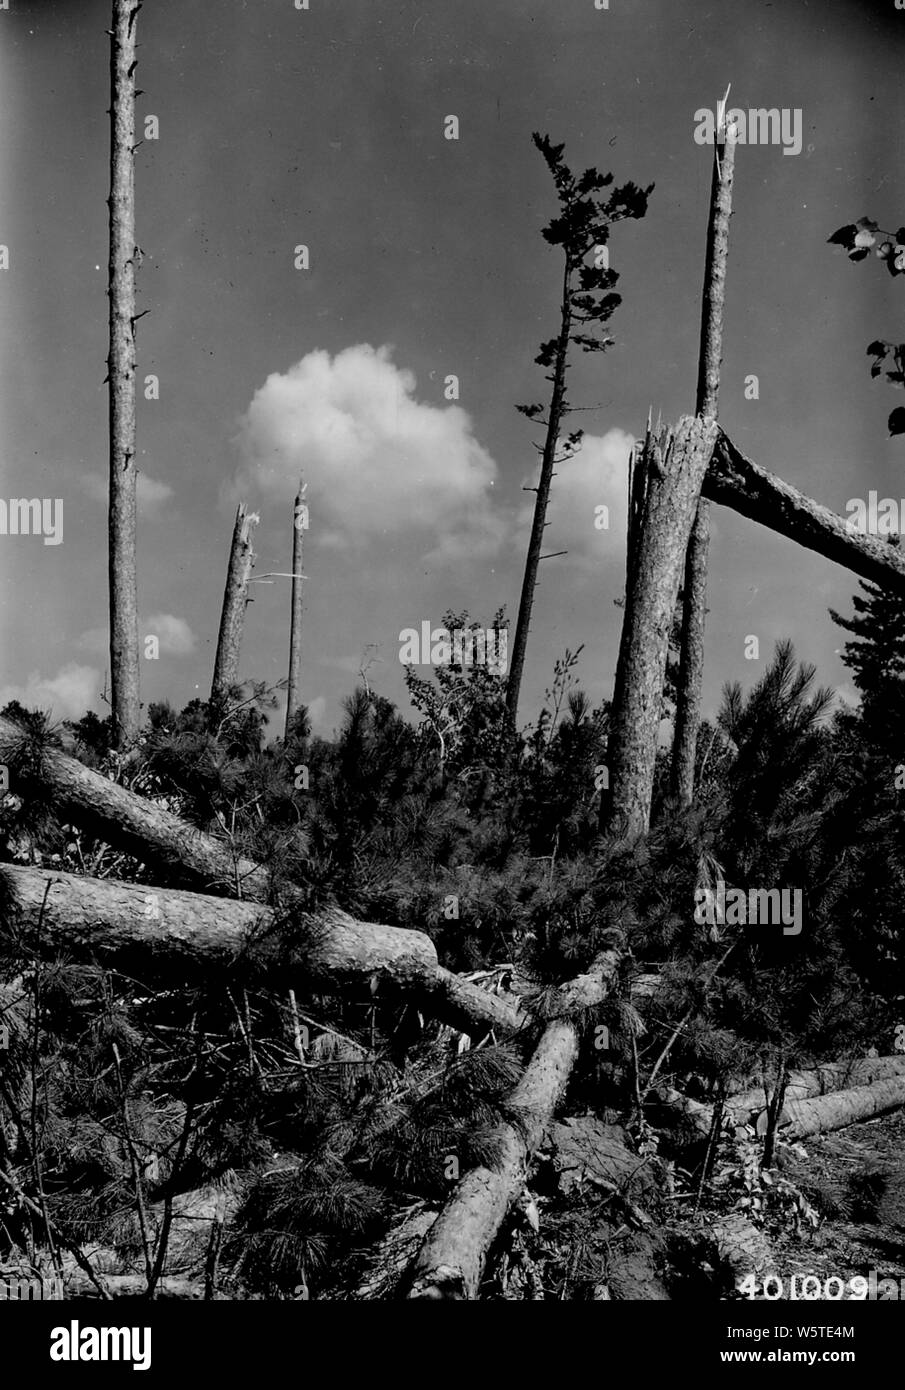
{"x":452,"y":1259}
{"x":739,"y":483}
{"x":674,"y":468}
{"x":161,"y":933}
{"x":738,"y":1248}
{"x":124,"y":681}
{"x":694,"y":603}
{"x":235,"y":599}
{"x":821,"y":1114}
{"x":300,"y":516}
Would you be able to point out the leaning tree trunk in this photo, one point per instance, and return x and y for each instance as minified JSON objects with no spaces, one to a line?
{"x":452,"y":1259}
{"x":694,"y":604}
{"x":124,"y":681}
{"x":673,"y":470}
{"x":235,"y":599}
{"x":163,"y":934}
{"x":542,"y":498}
{"x":295,"y":625}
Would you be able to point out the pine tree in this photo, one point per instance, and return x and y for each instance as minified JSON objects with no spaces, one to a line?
{"x":582,"y":229}
{"x":877,"y":659}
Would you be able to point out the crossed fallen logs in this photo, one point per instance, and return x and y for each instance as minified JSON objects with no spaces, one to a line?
{"x":149,"y":929}
{"x":329,"y":942}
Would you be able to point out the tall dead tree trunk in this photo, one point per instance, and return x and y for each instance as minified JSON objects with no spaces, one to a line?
{"x":300,"y":519}
{"x":235,"y":599}
{"x":674,"y":465}
{"x":452,"y":1259}
{"x":124,"y":679}
{"x":694,"y":603}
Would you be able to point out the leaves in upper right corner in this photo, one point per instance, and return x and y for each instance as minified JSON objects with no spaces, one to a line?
{"x":897,"y":421}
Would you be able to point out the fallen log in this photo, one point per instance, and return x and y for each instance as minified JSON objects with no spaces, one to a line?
{"x":749,"y":1106}
{"x":737,"y":1248}
{"x":168,"y":843}
{"x":452,"y":1258}
{"x":150,"y":931}
{"x":738,"y":482}
{"x":820,"y":1114}
{"x":128,"y":821}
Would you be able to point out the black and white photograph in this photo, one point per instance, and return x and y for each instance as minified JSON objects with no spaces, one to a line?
{"x":452,"y":672}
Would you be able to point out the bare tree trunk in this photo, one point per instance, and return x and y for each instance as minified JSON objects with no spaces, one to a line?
{"x":452,"y":1259}
{"x":737,"y":482}
{"x":162,"y":934}
{"x":124,"y":679}
{"x":295,"y":628}
{"x":235,"y":598}
{"x":694,"y":604}
{"x":535,"y":544}
{"x":674,"y":468}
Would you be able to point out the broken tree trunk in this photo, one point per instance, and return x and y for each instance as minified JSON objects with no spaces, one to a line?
{"x":300,"y":521}
{"x":124,"y":681}
{"x":737,"y":482}
{"x":235,"y":599}
{"x":162,"y":933}
{"x":452,"y":1259}
{"x":674,"y":467}
{"x":694,"y":603}
{"x":823,"y":1113}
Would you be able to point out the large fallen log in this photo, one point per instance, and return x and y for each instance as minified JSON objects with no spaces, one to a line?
{"x":153,"y":932}
{"x":126,"y":820}
{"x":739,"y":483}
{"x":452,"y":1258}
{"x":821,"y":1114}
{"x":168,"y":843}
{"x":749,"y":1106}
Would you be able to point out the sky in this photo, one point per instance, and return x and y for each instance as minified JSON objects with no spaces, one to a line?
{"x":281,"y":127}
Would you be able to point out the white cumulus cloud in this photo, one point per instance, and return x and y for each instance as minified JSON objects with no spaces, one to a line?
{"x":378,"y":462}
{"x":67,"y":695}
{"x":175,"y":636}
